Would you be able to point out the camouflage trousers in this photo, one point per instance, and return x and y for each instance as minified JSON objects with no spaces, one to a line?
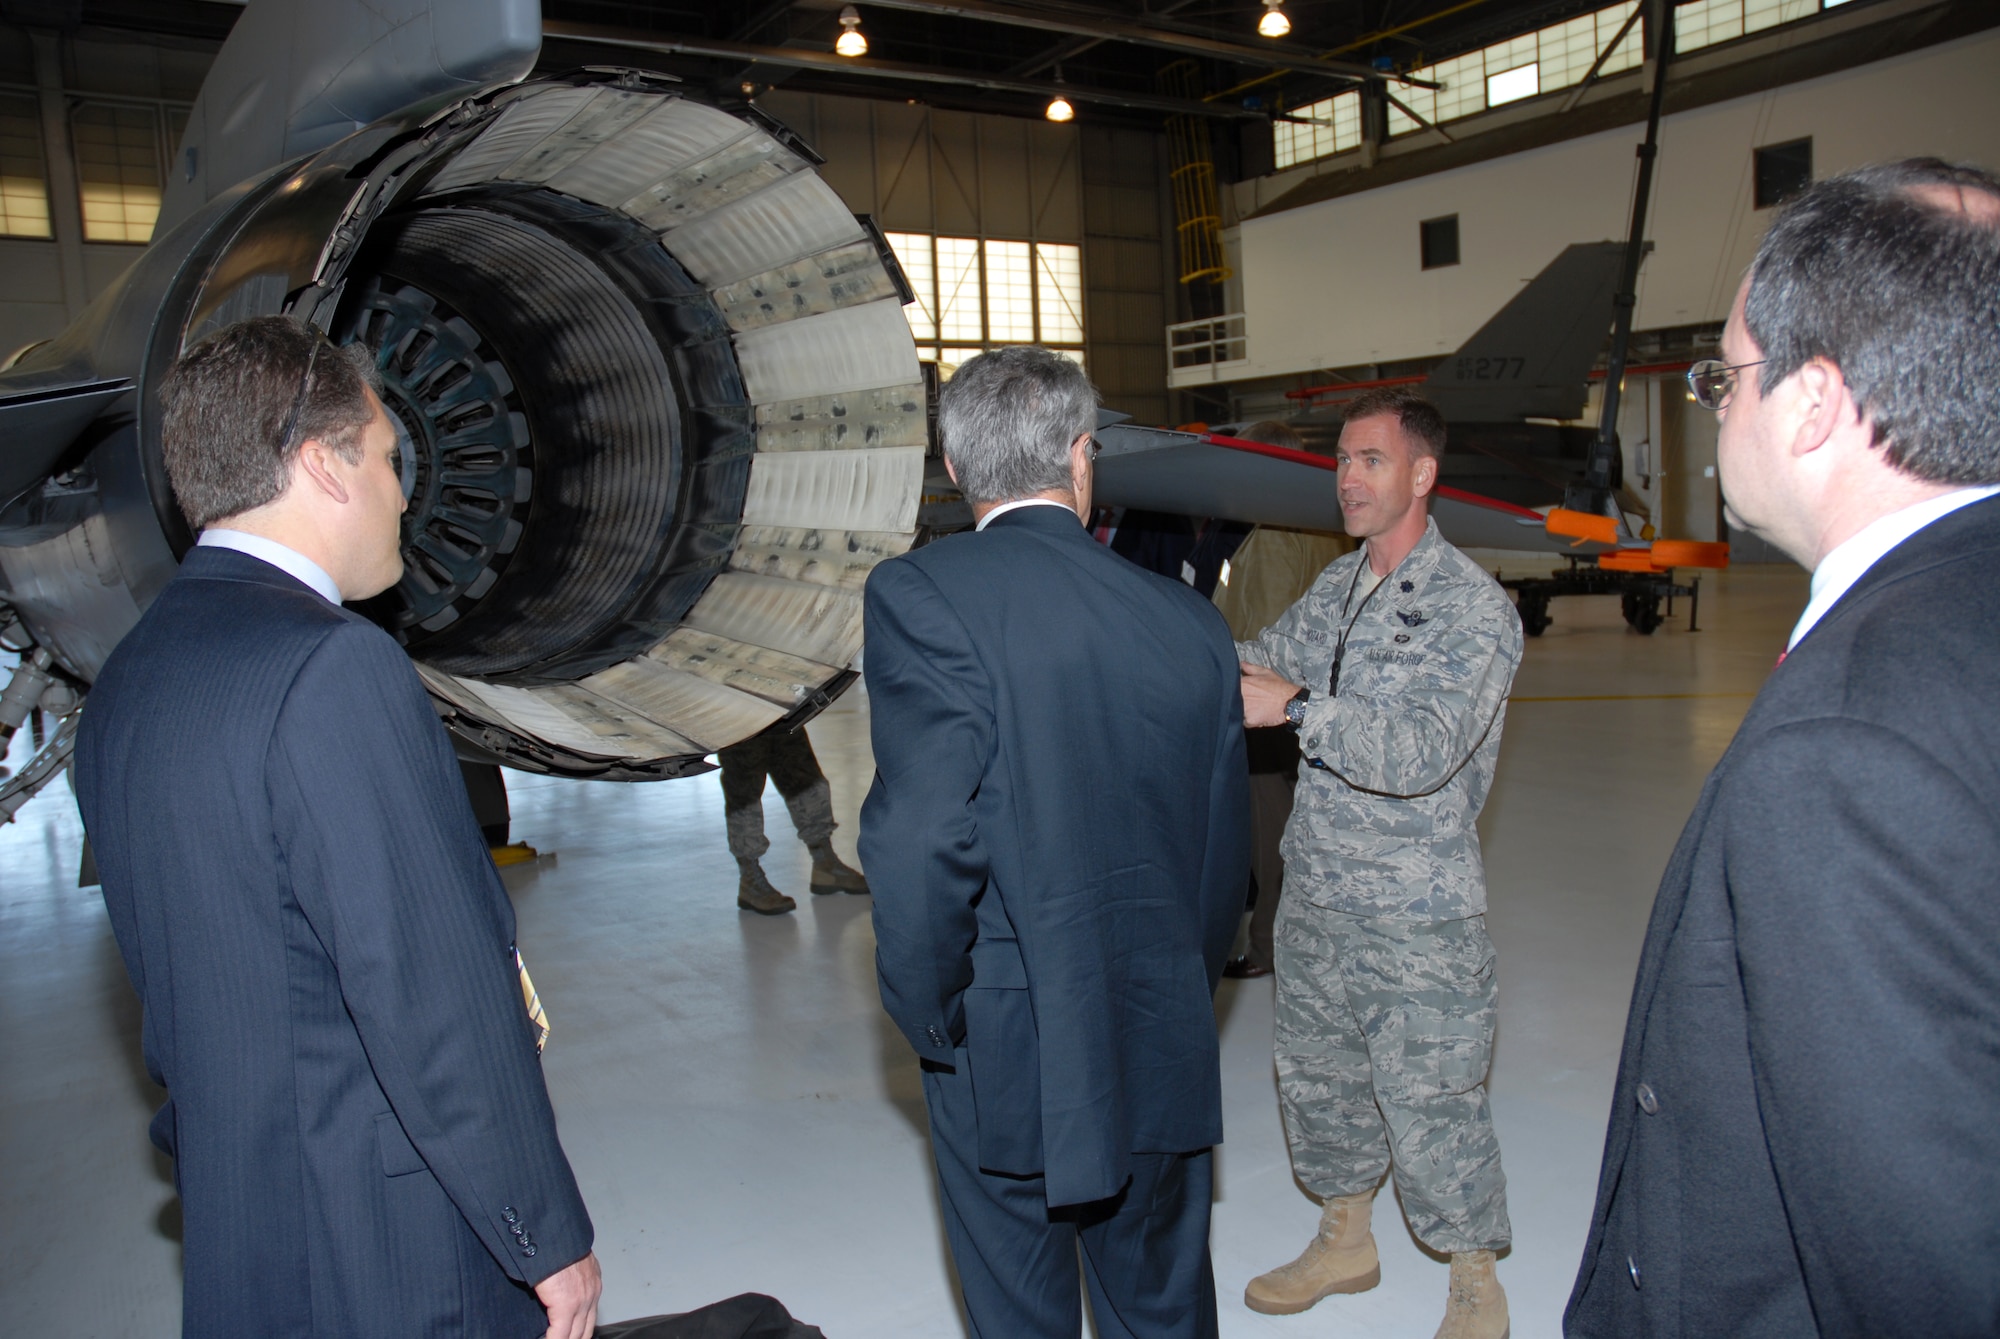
{"x":789,"y":762}
{"x":1384,"y":1035}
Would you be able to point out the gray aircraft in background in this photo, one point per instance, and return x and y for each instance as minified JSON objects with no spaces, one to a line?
{"x":663,"y":412}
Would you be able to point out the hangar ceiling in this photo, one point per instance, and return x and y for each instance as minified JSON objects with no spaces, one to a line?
{"x":999,"y":56}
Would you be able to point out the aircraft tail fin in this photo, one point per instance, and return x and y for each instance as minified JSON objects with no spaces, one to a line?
{"x":1532,"y":358}
{"x":297,"y":75}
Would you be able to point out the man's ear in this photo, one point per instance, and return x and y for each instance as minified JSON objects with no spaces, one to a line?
{"x":1426,"y":475}
{"x":950,"y":472}
{"x":316,"y":466}
{"x":1820,"y":405}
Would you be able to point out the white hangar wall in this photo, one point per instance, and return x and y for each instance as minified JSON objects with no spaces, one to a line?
{"x":1339,"y":283}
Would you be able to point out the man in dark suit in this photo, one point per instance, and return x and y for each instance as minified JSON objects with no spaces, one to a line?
{"x":1802,"y":1135}
{"x":1057,"y":838}
{"x":361,"y":1137}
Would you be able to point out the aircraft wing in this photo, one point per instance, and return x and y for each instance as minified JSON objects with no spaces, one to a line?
{"x":1208,"y":474}
{"x":38,"y":425}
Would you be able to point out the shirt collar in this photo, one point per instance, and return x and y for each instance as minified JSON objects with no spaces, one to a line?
{"x":287,"y":560}
{"x":1850,"y":561}
{"x":1017,"y":504}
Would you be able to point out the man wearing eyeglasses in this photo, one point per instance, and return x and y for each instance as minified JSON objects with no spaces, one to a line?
{"x":1802,"y":1138}
{"x":361,"y":1137}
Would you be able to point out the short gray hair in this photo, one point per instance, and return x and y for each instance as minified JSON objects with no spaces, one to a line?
{"x":1903,"y":297}
{"x":1007,"y":419}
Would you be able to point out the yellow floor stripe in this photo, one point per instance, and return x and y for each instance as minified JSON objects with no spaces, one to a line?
{"x":1629,"y":697}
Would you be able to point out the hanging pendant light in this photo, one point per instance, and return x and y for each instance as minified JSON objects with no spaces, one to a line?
{"x":1059,"y":109}
{"x":1273,"y":23}
{"x":851,"y":42}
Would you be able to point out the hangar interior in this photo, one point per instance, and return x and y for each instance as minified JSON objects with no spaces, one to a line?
{"x":1217,"y":241}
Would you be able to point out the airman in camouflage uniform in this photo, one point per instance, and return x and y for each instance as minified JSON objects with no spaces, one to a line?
{"x":1386,"y":1003}
{"x":788,"y":760}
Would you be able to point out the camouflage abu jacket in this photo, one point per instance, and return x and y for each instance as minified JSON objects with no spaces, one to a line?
{"x":1385,"y":825}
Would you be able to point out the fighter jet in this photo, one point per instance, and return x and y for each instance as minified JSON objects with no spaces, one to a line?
{"x":1510,"y":457}
{"x":662,"y":410}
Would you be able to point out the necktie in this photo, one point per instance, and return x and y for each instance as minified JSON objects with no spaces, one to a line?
{"x":537,"y":1015}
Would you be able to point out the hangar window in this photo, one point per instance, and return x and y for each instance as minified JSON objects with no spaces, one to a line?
{"x":24,"y":179}
{"x":1329,"y":126}
{"x":1523,"y":81}
{"x":1706,"y":22}
{"x":1010,"y":294}
{"x":1437,"y":240}
{"x":1782,"y":171}
{"x":1520,"y":67}
{"x":118,"y":170}
{"x":974,"y":294}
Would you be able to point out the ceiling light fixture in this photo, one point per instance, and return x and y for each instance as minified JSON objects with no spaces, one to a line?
{"x":1059,"y":109}
{"x":851,"y":42}
{"x":1274,"y":23}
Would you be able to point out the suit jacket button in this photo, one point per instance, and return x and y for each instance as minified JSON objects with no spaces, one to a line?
{"x":528,"y":1250}
{"x":1632,"y":1268}
{"x":936,"y":1037}
{"x":1649,"y":1101}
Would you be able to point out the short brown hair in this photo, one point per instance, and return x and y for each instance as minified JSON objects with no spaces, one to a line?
{"x":237,"y":406}
{"x":1419,"y":418}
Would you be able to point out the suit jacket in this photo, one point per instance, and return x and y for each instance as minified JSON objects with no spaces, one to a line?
{"x":355,"y":1109}
{"x":1802,"y":1136}
{"x":1057,"y":839}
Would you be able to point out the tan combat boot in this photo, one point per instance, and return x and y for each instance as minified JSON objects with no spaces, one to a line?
{"x":1477,"y":1308}
{"x":831,"y":874}
{"x":755,"y":893}
{"x":1341,"y":1259}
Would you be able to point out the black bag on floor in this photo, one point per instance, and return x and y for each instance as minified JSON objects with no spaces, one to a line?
{"x":748,"y":1316}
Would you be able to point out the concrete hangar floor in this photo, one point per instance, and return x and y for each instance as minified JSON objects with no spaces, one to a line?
{"x":742,"y":1117}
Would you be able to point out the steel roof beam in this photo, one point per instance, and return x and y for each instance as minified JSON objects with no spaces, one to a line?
{"x":864,"y":67}
{"x":1054,"y":19}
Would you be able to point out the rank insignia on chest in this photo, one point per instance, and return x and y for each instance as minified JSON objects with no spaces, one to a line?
{"x":1412,"y":619}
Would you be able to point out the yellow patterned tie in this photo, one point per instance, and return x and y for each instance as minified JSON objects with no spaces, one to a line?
{"x":536,"y":1013}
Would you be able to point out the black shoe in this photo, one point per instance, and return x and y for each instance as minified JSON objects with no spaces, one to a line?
{"x":1242,"y":969}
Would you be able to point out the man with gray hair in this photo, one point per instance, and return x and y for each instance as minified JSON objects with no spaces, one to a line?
{"x":1057,"y":838}
{"x":1802,"y":1138}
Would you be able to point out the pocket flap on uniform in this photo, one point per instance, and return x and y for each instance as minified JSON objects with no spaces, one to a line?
{"x":399,"y":1155}
{"x":997,"y":965}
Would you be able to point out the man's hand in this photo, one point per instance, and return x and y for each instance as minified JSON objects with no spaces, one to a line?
{"x":570,"y":1297}
{"x":1265,"y":693}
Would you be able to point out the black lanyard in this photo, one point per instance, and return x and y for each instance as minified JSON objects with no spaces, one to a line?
{"x":1340,"y":645}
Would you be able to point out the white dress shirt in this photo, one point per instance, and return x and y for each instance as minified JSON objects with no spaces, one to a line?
{"x":287,"y":560}
{"x":1018,"y":503}
{"x":1848,"y":563}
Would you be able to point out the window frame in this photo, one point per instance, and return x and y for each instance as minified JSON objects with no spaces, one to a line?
{"x":1425,"y":259}
{"x":1051,"y":316}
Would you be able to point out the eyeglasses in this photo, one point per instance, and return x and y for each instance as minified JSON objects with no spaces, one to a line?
{"x":1712,"y":382}
{"x":299,"y":401}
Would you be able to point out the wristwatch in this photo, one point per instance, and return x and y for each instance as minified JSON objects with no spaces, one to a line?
{"x":1295,"y":709}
